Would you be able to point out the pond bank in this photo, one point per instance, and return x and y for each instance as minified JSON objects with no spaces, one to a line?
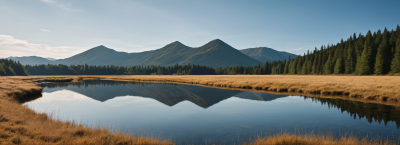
{"x":17,"y":121}
{"x":385,"y":88}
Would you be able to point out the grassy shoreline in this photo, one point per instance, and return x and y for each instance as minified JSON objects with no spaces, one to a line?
{"x":385,"y":88}
{"x":20,"y":125}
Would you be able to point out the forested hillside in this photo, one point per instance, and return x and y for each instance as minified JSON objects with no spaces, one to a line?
{"x":374,"y":53}
{"x":9,"y":67}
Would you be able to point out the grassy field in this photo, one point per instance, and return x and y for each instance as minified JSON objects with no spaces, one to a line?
{"x":317,"y":139}
{"x":20,"y":125}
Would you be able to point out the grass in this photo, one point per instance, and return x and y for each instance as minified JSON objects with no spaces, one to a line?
{"x":20,"y":125}
{"x":285,"y":138}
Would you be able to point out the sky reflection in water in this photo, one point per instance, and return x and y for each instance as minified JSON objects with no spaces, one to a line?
{"x":195,"y":113}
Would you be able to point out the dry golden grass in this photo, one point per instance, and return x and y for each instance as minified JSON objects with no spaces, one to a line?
{"x":322,"y":139}
{"x":20,"y":125}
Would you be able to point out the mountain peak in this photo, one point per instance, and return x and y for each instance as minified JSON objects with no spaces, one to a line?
{"x":217,"y":41}
{"x":101,"y":48}
{"x":217,"y":44}
{"x":176,"y":42}
{"x":176,"y":45}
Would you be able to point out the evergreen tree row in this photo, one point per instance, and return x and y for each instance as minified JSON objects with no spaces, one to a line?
{"x":187,"y":69}
{"x":9,"y":67}
{"x":375,"y":53}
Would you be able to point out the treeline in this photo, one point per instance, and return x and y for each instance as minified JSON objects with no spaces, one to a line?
{"x":186,"y":69}
{"x":377,"y":53}
{"x":9,"y":67}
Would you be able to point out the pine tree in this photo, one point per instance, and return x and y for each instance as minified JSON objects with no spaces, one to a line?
{"x":328,"y":65}
{"x":398,"y":31}
{"x":322,"y":60}
{"x":304,"y":68}
{"x":299,"y":65}
{"x":382,"y":63}
{"x":266,"y":68}
{"x":338,"y":66}
{"x":363,"y":66}
{"x":350,"y":63}
{"x":286,"y":71}
{"x":159,"y":71}
{"x":308,"y":67}
{"x":314,"y":65}
{"x":395,"y":67}
{"x":2,"y":69}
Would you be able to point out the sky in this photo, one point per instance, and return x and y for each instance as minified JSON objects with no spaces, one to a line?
{"x":62,"y":28}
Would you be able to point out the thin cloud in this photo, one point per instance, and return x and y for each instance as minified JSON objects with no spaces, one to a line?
{"x":11,"y":46}
{"x":120,"y":43}
{"x":48,"y":1}
{"x":62,"y":6}
{"x":125,"y":46}
{"x":301,"y":48}
{"x":44,"y":30}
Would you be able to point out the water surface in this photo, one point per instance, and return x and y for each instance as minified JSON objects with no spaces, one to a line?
{"x":194,"y":114}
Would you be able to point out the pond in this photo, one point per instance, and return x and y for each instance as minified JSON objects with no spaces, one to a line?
{"x":196,"y":114}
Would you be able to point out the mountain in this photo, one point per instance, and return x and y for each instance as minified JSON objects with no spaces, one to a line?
{"x":99,"y":55}
{"x":264,"y":54}
{"x":51,"y":59}
{"x":216,"y":53}
{"x":31,"y":60}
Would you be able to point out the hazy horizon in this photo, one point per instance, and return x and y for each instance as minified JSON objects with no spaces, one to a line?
{"x":62,"y":28}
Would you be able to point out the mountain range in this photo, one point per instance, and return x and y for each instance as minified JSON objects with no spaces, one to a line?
{"x":216,"y":53}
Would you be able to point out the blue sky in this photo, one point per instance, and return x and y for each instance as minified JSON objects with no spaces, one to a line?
{"x":62,"y":28}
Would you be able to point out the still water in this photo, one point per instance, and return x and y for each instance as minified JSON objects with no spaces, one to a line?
{"x":196,"y":114}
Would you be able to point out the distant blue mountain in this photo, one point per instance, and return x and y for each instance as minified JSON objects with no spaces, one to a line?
{"x":264,"y":54}
{"x":215,"y":53}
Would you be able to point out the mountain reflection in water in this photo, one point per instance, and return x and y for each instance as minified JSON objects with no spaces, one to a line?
{"x":168,"y":94}
{"x":172,"y":94}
